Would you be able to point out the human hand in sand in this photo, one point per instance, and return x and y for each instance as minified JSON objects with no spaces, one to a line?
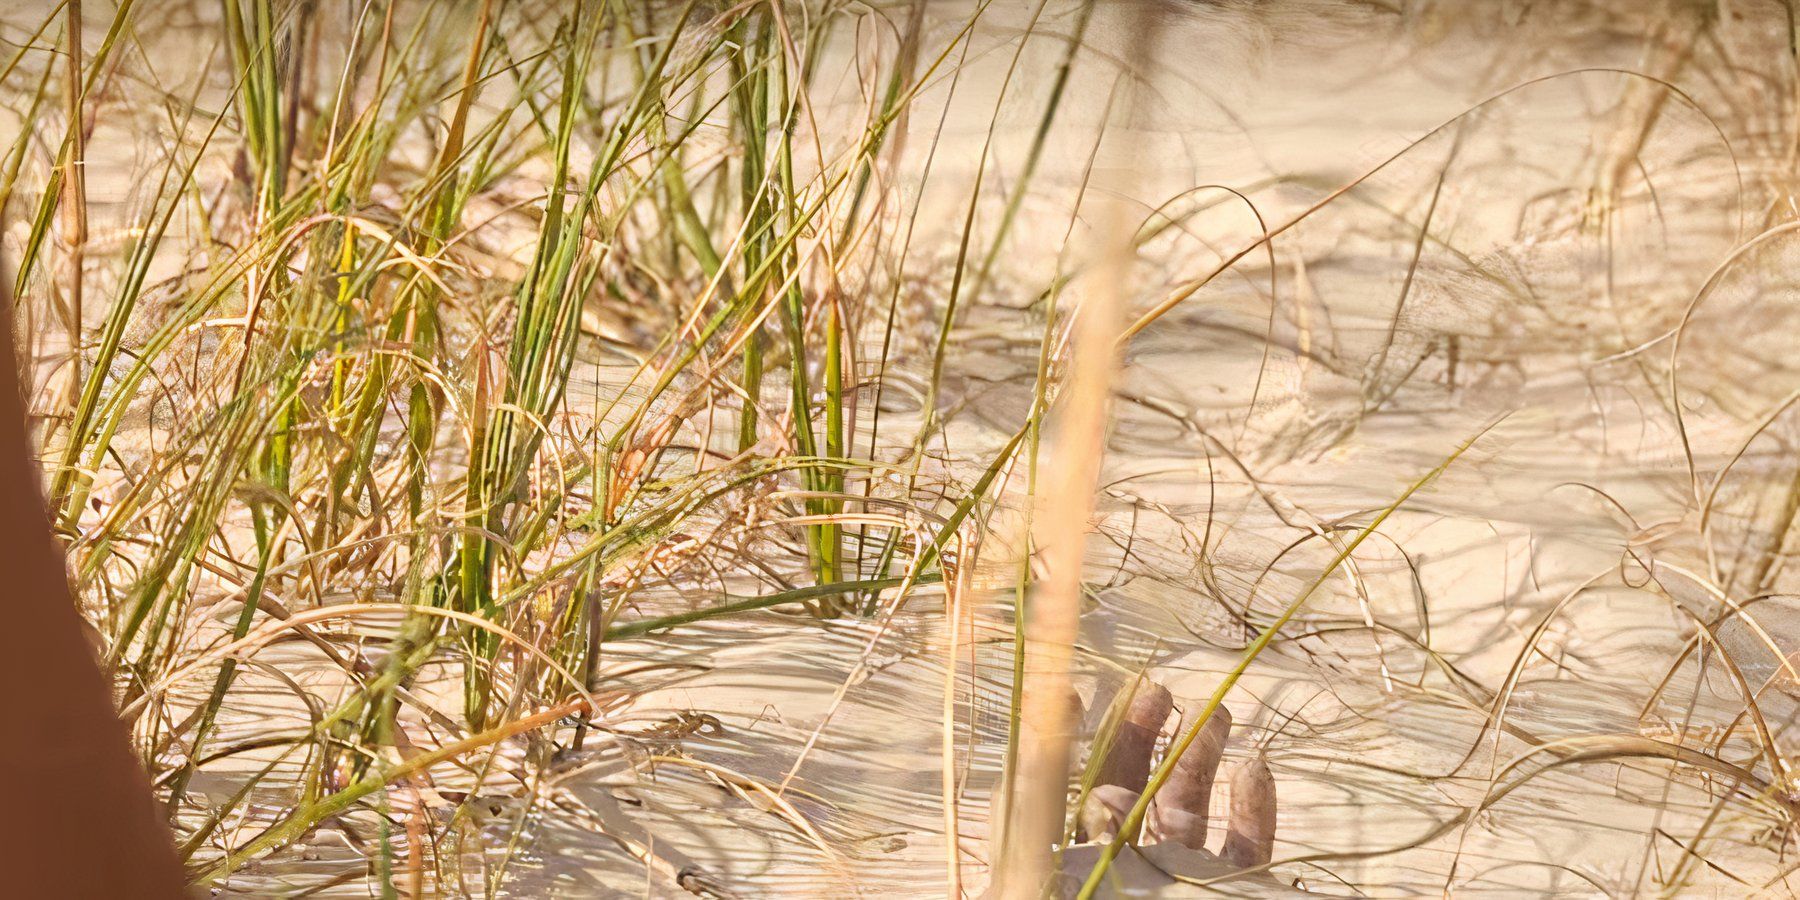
{"x":1174,"y":848}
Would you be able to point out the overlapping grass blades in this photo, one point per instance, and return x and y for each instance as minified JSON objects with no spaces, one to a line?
{"x":404,"y":232}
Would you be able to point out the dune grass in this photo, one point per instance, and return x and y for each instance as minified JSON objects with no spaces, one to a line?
{"x":331,"y":362}
{"x":442,"y":357}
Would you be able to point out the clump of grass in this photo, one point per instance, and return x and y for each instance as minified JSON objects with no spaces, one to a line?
{"x":447,"y":356}
{"x":332,"y":367}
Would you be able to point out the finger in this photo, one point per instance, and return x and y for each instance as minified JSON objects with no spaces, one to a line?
{"x":1127,"y":761}
{"x":1180,"y":809}
{"x":1103,"y":812}
{"x":1250,"y":840}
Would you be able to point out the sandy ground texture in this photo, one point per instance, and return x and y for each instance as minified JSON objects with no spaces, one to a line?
{"x":1560,"y":230}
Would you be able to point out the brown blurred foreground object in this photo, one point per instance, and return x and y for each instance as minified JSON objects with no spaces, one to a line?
{"x":79,"y":818}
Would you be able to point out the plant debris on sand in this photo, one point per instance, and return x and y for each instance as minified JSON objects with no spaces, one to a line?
{"x":816,"y":448}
